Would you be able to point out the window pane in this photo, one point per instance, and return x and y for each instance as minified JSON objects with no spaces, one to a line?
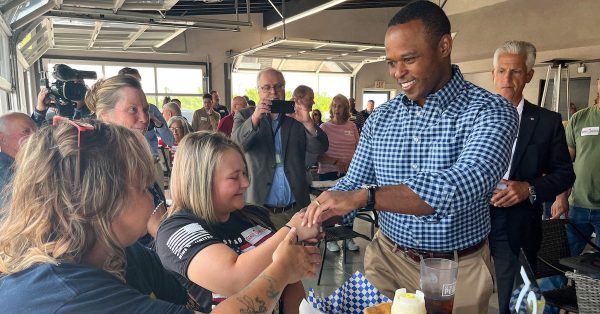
{"x":23,"y":10}
{"x":179,"y":80}
{"x":147,"y":74}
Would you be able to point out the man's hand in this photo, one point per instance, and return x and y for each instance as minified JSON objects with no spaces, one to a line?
{"x":42,"y":101}
{"x":333,"y":203}
{"x":262,"y":108}
{"x":560,"y":206}
{"x":515,"y":192}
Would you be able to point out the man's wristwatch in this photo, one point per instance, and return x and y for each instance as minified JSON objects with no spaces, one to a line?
{"x":532,"y":195}
{"x":371,"y":189}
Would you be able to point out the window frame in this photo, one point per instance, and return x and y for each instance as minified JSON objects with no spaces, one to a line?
{"x":203,"y":66}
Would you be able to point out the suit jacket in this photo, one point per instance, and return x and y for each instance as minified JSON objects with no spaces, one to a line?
{"x":541,"y":158}
{"x":259,"y":147}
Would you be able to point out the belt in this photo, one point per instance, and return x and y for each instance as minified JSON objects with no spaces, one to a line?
{"x":417,"y":255}
{"x":280,"y":209}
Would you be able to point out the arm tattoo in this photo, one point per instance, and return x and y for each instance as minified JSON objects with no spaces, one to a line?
{"x":271,"y":292}
{"x":256,"y":306}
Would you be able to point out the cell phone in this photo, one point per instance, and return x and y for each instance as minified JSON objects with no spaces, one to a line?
{"x":282,"y":106}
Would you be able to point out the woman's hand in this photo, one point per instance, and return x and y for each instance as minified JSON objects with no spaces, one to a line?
{"x":300,"y":261}
{"x":304,"y":232}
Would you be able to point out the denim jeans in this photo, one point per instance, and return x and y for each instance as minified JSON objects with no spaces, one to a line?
{"x":585,"y":220}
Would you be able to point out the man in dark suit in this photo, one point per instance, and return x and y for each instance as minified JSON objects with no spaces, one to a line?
{"x":540,"y":169}
{"x":362,"y":116}
{"x":275,"y":146}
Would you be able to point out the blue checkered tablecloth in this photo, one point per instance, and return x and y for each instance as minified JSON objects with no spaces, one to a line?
{"x":355,"y":295}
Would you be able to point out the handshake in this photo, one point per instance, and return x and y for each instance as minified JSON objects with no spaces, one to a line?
{"x":306,"y":234}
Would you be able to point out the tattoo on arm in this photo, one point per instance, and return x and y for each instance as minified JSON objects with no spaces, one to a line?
{"x":256,"y":306}
{"x":271,"y":291}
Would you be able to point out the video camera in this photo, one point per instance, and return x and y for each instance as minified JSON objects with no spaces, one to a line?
{"x":68,"y":86}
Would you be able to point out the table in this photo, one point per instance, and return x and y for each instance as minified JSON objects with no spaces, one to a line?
{"x":587,"y":263}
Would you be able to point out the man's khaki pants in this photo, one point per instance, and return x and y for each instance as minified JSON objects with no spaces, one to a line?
{"x":389,"y":269}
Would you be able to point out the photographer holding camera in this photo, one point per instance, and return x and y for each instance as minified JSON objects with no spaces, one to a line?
{"x":64,"y":96}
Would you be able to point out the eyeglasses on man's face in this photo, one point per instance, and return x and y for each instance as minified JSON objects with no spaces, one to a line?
{"x":268,"y":88}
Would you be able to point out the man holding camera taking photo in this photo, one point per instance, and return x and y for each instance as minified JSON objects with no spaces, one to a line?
{"x":65,"y":95}
{"x":275,"y":146}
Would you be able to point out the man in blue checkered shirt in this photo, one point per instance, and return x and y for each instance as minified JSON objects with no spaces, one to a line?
{"x":429,"y":160}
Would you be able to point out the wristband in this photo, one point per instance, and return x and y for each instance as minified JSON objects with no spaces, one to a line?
{"x":288,"y":226}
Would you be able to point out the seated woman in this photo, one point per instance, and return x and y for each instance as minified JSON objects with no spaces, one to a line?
{"x":79,"y":199}
{"x":180,"y":128}
{"x":214,"y":241}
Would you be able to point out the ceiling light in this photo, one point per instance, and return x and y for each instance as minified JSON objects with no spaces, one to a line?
{"x":306,"y":13}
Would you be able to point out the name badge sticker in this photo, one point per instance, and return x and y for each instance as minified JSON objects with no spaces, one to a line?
{"x":594,"y":130}
{"x":203,"y":119}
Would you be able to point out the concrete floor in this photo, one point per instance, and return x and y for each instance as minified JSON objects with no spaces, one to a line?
{"x":335,"y":272}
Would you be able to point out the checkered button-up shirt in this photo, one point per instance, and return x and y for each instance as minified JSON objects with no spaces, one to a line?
{"x":451,"y":152}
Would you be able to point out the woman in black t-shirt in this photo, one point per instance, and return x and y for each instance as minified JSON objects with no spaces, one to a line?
{"x":79,"y":198}
{"x":211,"y":238}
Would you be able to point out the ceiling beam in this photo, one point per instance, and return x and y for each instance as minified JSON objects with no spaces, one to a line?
{"x":295,"y":10}
{"x":320,"y":67}
{"x":140,"y":21}
{"x":280,"y":66}
{"x":150,"y":17}
{"x":168,"y":39}
{"x":95,"y":33}
{"x":118,"y":5}
{"x":135,"y":36}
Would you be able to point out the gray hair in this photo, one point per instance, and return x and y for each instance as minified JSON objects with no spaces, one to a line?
{"x":187,"y":128}
{"x":301,"y":91}
{"x":265,"y":70}
{"x":518,"y":48}
{"x":173,"y":107}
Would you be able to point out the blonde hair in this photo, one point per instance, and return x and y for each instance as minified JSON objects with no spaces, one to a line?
{"x":192,"y":190}
{"x":102,"y":97}
{"x":57,"y":216}
{"x":342,"y":100}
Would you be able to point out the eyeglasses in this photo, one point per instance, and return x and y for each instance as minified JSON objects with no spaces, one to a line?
{"x":81,"y":127}
{"x":268,"y":88}
{"x":178,"y":129}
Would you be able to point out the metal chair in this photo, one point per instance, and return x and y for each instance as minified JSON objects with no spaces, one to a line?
{"x":365,"y":215}
{"x":588,"y":292}
{"x":554,"y":246}
{"x":165,"y":161}
{"x":338,"y":233}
